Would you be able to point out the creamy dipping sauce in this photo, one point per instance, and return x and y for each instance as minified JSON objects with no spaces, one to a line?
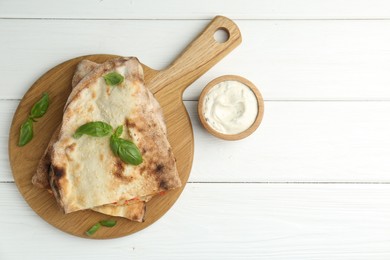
{"x":230,"y":107}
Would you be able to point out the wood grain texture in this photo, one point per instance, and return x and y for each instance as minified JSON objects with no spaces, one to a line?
{"x":301,"y":141}
{"x":268,"y":221}
{"x":167,"y":85}
{"x":201,"y":9}
{"x":288,"y":60}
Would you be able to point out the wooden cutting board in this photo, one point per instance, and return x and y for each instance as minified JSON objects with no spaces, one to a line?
{"x":167,"y":85}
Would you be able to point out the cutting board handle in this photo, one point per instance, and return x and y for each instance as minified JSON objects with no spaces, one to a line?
{"x":202,"y":54}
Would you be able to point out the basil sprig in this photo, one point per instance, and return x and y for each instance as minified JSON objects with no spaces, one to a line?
{"x":96,"y":128}
{"x":40,"y":108}
{"x":126,"y":150}
{"x":113,"y":78}
{"x":108,"y":223}
{"x":97,"y":226}
{"x":93,"y":229}
{"x":113,"y":140}
{"x":26,"y":132}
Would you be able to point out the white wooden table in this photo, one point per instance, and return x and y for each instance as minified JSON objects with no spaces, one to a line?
{"x":313,"y":182}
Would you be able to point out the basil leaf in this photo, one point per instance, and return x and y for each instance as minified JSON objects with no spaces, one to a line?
{"x":40,"y":108}
{"x":114,"y":144}
{"x":97,"y":129}
{"x":93,"y":229}
{"x":113,"y":78}
{"x":128,"y":152}
{"x":118,"y":131}
{"x":108,"y":223}
{"x":26,"y":132}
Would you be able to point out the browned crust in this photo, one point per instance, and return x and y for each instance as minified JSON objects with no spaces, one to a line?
{"x":119,"y":168}
{"x":133,"y":210}
{"x":41,"y":177}
{"x":159,"y":166}
{"x":83,"y":68}
{"x":94,"y":74}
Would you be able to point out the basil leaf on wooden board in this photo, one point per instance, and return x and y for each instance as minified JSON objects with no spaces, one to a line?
{"x":40,"y":108}
{"x":108,"y":223}
{"x":113,"y":78}
{"x":37,"y":111}
{"x":96,"y":128}
{"x":26,"y":132}
{"x":93,"y":229}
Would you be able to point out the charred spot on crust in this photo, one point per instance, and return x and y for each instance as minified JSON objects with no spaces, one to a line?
{"x":159,"y":168}
{"x":136,"y":217}
{"x":163,"y":185}
{"x":71,"y":147}
{"x":119,"y":169}
{"x":143,"y":217}
{"x":129,"y":124}
{"x":48,"y":167}
{"x":108,"y":90}
{"x":142,"y":168}
{"x":108,"y":68}
{"x":138,"y":127}
{"x":55,"y":188}
{"x":58,"y":172}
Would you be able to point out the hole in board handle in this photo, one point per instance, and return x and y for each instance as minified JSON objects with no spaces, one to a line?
{"x":221,"y":35}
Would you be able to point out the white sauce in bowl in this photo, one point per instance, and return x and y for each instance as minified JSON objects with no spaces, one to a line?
{"x":230,"y":107}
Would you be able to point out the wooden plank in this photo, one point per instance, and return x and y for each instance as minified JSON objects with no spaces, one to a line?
{"x":201,"y":9}
{"x":287,"y":60}
{"x":297,"y":141}
{"x":7,"y":110}
{"x":301,"y":141}
{"x":225,"y":221}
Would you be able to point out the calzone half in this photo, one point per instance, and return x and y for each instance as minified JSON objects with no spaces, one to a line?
{"x":133,"y":210}
{"x":85,"y":173}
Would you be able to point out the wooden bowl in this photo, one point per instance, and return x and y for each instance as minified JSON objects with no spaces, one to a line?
{"x":249,"y":130}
